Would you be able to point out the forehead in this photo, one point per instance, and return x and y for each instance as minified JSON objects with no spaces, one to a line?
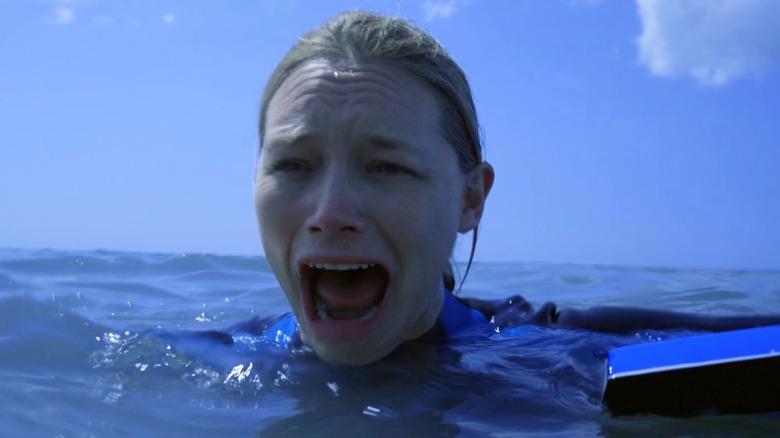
{"x":356,"y":93}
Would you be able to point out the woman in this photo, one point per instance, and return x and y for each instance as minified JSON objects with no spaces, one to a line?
{"x":367,"y":173}
{"x":370,"y":165}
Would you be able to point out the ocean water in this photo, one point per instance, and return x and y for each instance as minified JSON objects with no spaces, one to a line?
{"x":77,"y":358}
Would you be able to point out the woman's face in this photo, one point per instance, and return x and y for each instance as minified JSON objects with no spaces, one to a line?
{"x":359,"y":199}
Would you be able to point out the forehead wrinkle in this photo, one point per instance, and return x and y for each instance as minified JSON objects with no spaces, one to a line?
{"x":356,"y":84}
{"x":307,"y":99}
{"x":364,"y":91}
{"x":370,"y":83}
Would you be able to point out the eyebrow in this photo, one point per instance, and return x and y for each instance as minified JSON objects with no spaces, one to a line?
{"x":377,"y":141}
{"x":389,"y":143}
{"x":287,"y":140}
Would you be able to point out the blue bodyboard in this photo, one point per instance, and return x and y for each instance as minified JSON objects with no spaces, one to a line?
{"x":731,"y":372}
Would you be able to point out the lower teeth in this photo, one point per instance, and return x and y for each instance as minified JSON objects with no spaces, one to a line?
{"x":324,"y":314}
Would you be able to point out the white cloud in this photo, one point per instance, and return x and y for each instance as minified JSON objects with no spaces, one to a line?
{"x":713,"y":41}
{"x":63,"y":12}
{"x":435,"y":9}
{"x":64,"y":15}
{"x":168,"y":19}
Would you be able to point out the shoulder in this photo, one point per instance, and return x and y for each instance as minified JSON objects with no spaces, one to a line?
{"x":281,"y":330}
{"x":513,"y":311}
{"x":246,"y":335}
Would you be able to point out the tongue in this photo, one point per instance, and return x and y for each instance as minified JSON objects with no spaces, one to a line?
{"x":349,"y":291}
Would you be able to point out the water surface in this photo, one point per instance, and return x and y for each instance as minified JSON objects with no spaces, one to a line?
{"x":77,"y":359}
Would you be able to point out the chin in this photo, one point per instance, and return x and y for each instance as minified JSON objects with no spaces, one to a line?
{"x":356,"y":355}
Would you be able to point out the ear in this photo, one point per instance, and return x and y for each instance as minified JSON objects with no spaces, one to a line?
{"x":478,"y":185}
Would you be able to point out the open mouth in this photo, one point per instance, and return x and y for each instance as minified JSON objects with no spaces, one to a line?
{"x":343,"y":292}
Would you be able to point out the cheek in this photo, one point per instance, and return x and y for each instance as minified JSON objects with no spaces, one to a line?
{"x":275,"y":214}
{"x":274,"y":217}
{"x":265,"y":215}
{"x":430,"y":226}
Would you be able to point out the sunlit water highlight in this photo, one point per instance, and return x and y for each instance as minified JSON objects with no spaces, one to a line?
{"x":76,"y":357}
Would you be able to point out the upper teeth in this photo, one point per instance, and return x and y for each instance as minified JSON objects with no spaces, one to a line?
{"x":334,"y":267}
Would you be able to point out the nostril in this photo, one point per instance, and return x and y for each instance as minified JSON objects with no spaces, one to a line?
{"x":344,"y":229}
{"x":335,"y":210}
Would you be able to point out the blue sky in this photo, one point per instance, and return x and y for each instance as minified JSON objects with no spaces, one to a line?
{"x":622,"y":132}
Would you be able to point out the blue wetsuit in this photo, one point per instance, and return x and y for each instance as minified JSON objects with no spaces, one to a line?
{"x":456,"y":319}
{"x":264,"y":347}
{"x":459,"y":318}
{"x":277,"y":337}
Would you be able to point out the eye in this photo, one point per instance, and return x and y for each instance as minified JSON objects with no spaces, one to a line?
{"x":290,"y":165}
{"x":389,"y":168}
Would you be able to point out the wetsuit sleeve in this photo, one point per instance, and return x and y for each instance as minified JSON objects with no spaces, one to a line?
{"x":621,"y":320}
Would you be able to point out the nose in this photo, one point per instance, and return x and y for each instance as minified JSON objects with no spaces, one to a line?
{"x":336,"y":207}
